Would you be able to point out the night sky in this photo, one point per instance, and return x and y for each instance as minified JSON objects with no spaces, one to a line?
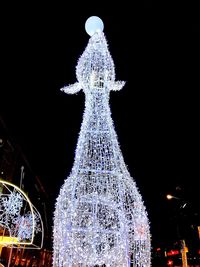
{"x":155,"y":114}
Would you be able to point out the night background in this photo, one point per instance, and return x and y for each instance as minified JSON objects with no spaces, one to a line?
{"x":156,"y":114}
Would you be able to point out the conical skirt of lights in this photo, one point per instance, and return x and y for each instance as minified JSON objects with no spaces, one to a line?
{"x":100,"y":218}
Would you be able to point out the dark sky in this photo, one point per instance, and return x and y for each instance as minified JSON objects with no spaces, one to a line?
{"x":155,"y":114}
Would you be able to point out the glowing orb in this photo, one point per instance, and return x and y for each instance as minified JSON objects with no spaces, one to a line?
{"x":93,"y":24}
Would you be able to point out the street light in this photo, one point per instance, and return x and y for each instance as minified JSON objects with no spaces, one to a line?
{"x":184,"y":249}
{"x":168,"y":196}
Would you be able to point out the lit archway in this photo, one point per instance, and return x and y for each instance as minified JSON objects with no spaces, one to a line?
{"x":20,"y":222}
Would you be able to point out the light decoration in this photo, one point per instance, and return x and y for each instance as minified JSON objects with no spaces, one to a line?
{"x":100,"y":218}
{"x":20,"y":222}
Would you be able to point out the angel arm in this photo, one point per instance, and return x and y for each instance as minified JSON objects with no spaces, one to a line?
{"x":116,"y":86}
{"x":72,"y":88}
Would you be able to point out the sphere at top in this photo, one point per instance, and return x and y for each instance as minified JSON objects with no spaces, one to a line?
{"x":93,"y":24}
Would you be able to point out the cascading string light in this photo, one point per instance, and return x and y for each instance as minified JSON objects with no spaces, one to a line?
{"x":100,"y":218}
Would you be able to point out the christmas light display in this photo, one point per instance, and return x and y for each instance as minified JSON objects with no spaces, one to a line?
{"x":100,"y":218}
{"x":20,"y":222}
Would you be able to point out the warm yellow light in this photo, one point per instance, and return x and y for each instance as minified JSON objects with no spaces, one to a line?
{"x":8,"y":240}
{"x":169,"y":196}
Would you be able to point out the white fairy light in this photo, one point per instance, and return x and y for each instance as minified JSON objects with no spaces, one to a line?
{"x":99,"y":218}
{"x":20,"y":221}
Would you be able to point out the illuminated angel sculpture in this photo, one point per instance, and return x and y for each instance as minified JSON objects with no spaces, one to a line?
{"x":100,"y":218}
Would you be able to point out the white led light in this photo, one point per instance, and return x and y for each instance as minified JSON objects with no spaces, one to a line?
{"x":99,"y":218}
{"x":20,"y":223}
